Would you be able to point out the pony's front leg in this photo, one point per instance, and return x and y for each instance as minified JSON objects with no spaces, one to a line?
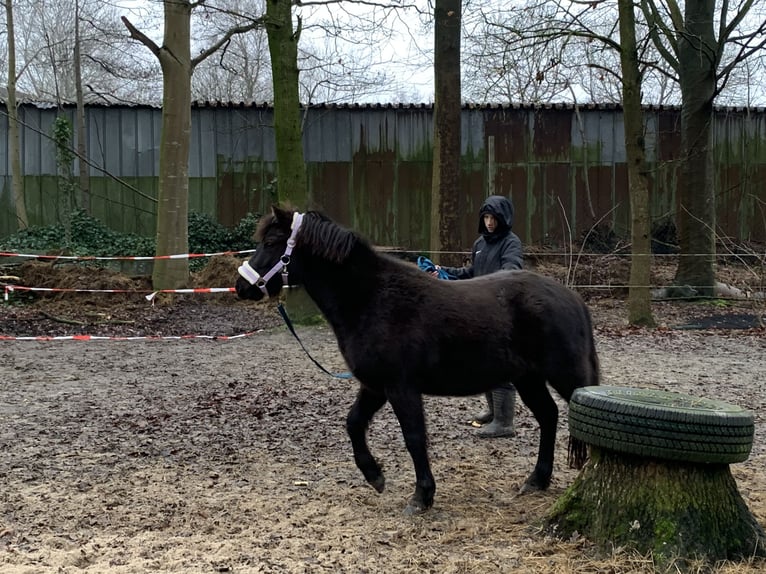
{"x":408,"y":408}
{"x":365,"y":406}
{"x":536,"y":396}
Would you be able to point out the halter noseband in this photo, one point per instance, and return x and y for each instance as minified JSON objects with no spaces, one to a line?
{"x":254,"y":278}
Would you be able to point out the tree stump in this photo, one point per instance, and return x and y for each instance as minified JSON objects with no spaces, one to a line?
{"x":658,"y":479}
{"x":669,"y":509}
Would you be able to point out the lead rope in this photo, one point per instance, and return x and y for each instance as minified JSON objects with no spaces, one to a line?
{"x":289,"y":323}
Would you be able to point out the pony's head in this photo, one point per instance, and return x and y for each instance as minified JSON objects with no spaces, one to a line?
{"x":267,"y":270}
{"x":321,"y":247}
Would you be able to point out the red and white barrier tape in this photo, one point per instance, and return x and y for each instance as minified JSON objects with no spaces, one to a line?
{"x":125,"y":257}
{"x":150,"y":297}
{"x":126,"y":338}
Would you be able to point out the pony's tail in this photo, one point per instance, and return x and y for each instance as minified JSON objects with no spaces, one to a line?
{"x":577,"y":453}
{"x":594,"y":366}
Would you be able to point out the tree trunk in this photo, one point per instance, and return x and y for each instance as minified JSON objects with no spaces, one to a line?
{"x":676,"y":511}
{"x":17,"y":179}
{"x":82,"y":146}
{"x":292,"y":184}
{"x":445,"y":184}
{"x":173,"y":188}
{"x":639,"y":294}
{"x":696,"y":216}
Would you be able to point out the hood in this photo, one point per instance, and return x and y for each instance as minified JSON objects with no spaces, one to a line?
{"x":502,"y":208}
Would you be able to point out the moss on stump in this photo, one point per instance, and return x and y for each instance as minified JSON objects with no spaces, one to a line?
{"x":672,"y":510}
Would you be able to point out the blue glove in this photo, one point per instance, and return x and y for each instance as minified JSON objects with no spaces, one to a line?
{"x":428,"y":266}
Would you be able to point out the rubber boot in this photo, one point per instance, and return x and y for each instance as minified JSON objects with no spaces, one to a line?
{"x":504,"y":401}
{"x":486,"y":415}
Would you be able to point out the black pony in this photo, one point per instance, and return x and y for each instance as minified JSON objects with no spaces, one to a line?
{"x":404,"y":333}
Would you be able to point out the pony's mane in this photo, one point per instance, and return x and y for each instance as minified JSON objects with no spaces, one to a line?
{"x":321,"y":235}
{"x":326,"y":239}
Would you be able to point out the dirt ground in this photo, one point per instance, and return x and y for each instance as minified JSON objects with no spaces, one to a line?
{"x":230,"y":454}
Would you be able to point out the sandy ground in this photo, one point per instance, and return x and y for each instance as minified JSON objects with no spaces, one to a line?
{"x":231,"y":455}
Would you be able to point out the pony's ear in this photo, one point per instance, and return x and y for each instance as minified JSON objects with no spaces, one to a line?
{"x":283,"y":216}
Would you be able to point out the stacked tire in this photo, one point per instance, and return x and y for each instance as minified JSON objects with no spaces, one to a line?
{"x":661,"y":424}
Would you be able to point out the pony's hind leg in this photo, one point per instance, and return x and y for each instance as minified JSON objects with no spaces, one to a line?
{"x":536,"y":396}
{"x":408,"y":408}
{"x":365,"y":406}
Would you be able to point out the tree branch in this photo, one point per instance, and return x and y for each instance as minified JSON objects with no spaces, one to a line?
{"x":658,"y":30}
{"x":225,"y":38}
{"x":744,"y":53}
{"x":727,"y":30}
{"x":137,"y":34}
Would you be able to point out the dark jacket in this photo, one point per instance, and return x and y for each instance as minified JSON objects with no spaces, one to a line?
{"x":493,"y":251}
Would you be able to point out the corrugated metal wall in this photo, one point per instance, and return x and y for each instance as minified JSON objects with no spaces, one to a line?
{"x":370,"y":167}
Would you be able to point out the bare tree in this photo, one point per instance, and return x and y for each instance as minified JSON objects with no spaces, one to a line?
{"x":17,"y":180}
{"x":177,"y":65}
{"x":283,"y":46}
{"x":639,"y":295}
{"x":329,"y":77}
{"x":82,"y":149}
{"x":584,"y":33}
{"x":286,"y":71}
{"x":703,"y":45}
{"x":445,"y":185}
{"x":340,"y":54}
{"x":110,"y":70}
{"x":539,"y":47}
{"x":357,"y":50}
{"x":525,"y":52}
{"x":494,"y":70}
{"x":700,"y":47}
{"x":241,"y":71}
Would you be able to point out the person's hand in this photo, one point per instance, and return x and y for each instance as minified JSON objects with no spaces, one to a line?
{"x":435,"y":272}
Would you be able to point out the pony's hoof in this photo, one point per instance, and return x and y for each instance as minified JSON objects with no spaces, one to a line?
{"x":379,"y":484}
{"x":533,"y":484}
{"x":414,"y":508}
{"x":528,"y":487}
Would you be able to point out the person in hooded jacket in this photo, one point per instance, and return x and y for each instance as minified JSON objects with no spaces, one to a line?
{"x":497,"y":248}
